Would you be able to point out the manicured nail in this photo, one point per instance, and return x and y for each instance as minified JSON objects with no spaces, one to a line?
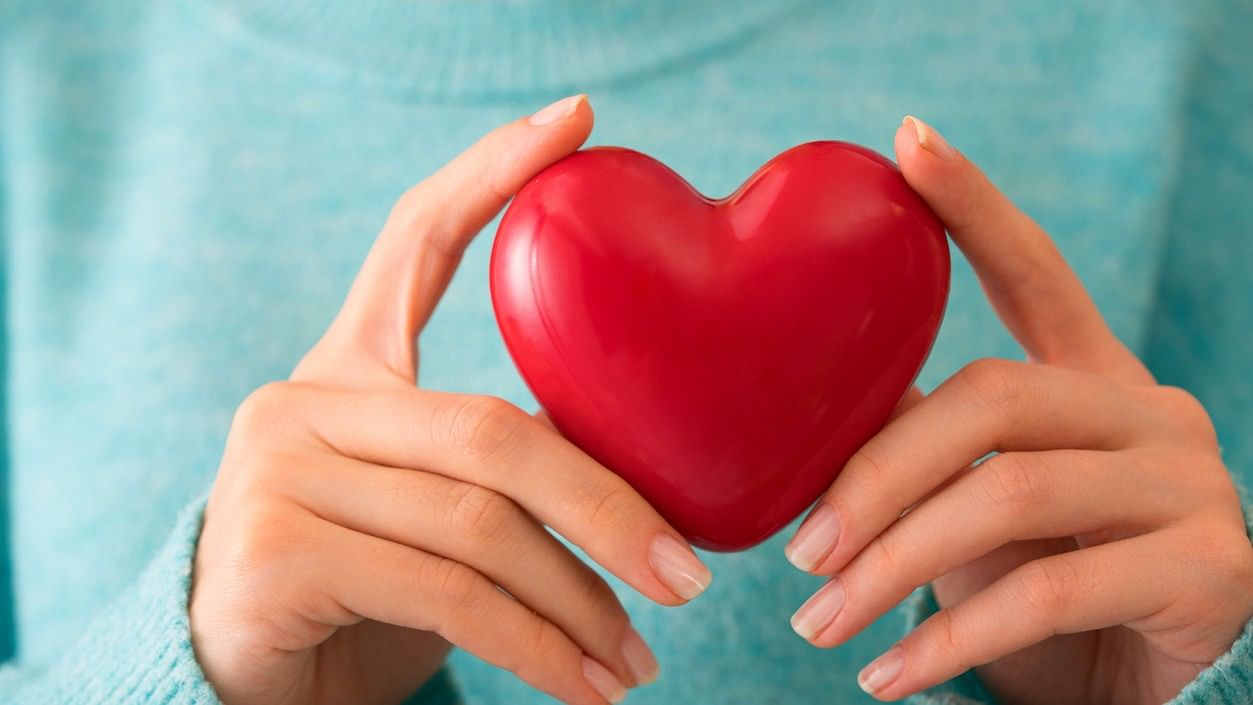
{"x":881,"y":671}
{"x":563,"y":108}
{"x":819,"y":611}
{"x":603,"y":681}
{"x":639,"y":658}
{"x":816,"y":538}
{"x":678,"y":567}
{"x":929,"y":139}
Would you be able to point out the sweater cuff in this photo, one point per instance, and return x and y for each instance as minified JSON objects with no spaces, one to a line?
{"x":1227,"y":682}
{"x":138,"y":649}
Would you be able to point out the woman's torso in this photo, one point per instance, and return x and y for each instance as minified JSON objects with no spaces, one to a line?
{"x":189,"y":190}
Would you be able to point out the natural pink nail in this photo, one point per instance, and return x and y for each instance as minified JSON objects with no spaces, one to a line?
{"x":882,"y":671}
{"x":929,"y":139}
{"x":677,"y":567}
{"x":816,"y":538}
{"x":563,"y":108}
{"x":603,"y":681}
{"x":639,"y":658}
{"x":819,"y":611}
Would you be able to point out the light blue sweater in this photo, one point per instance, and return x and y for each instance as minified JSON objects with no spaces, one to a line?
{"x":187,"y":188}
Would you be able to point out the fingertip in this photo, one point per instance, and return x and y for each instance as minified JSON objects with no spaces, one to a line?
{"x":556,"y":111}
{"x":581,"y":122}
{"x":923,"y":156}
{"x":905,"y":142}
{"x":677,"y":567}
{"x":526,"y":146}
{"x":814,"y":542}
{"x":584,"y":113}
{"x":953,"y":186}
{"x":603,"y":681}
{"x":568,"y":120}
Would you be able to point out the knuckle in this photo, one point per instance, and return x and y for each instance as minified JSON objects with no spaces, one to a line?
{"x":416,"y":212}
{"x":546,"y":642}
{"x":944,"y":634}
{"x":1199,"y":475}
{"x":451,"y":584}
{"x":481,"y":426}
{"x":995,"y":383}
{"x":607,"y":506}
{"x":1009,"y":481}
{"x":868,"y":468}
{"x":263,"y":538}
{"x":1230,"y":558}
{"x":479,"y":514}
{"x":884,"y":554}
{"x":1188,"y":412}
{"x":262,"y":410}
{"x":255,"y":475}
{"x":1048,"y":586}
{"x":542,"y":646}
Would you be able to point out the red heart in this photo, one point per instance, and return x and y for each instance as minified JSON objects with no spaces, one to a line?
{"x":726,"y":357}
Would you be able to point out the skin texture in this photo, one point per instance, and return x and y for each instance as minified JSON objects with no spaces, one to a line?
{"x":360,"y":526}
{"x":1098,"y":556}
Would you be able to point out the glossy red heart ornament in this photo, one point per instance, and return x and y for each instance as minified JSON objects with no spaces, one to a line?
{"x":725,"y":357}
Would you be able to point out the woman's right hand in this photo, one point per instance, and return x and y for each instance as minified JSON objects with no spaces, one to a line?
{"x":359,"y":525}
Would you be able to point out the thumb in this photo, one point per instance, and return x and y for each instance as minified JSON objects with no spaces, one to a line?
{"x":1034,"y":291}
{"x":371,"y":340}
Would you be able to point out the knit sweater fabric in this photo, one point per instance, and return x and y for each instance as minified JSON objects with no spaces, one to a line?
{"x":188,"y":187}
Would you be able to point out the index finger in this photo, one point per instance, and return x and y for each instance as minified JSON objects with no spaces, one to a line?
{"x":1034,"y":291}
{"x":411,"y":262}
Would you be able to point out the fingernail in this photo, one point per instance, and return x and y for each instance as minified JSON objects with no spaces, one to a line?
{"x":816,"y":538}
{"x":563,"y":108}
{"x":677,"y":567}
{"x":603,"y":681}
{"x":639,"y":658}
{"x":881,"y":671}
{"x":929,"y":139}
{"x":819,"y":611}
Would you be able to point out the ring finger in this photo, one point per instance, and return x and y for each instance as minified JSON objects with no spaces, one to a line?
{"x":488,"y":532}
{"x":994,"y":405}
{"x":1010,"y":497}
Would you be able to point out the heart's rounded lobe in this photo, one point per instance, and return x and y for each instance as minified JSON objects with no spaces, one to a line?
{"x":726,"y":357}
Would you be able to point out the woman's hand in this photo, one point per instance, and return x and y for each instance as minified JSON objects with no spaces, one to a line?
{"x":1099,"y":557}
{"x":359,"y":524}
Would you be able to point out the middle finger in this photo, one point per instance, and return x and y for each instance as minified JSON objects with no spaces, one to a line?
{"x":1011,"y":497}
{"x":992,"y":405}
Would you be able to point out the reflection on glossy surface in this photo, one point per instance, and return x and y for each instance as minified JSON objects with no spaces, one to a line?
{"x":725,"y":357}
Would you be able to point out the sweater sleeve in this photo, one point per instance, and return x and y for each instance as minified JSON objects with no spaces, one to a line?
{"x":138,"y":649}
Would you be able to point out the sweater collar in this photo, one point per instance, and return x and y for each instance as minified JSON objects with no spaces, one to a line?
{"x":494,"y":49}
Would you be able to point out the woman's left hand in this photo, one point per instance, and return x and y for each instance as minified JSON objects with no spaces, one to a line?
{"x":1100,"y":556}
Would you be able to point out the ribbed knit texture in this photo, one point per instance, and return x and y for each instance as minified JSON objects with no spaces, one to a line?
{"x":137,"y":650}
{"x":188,"y":187}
